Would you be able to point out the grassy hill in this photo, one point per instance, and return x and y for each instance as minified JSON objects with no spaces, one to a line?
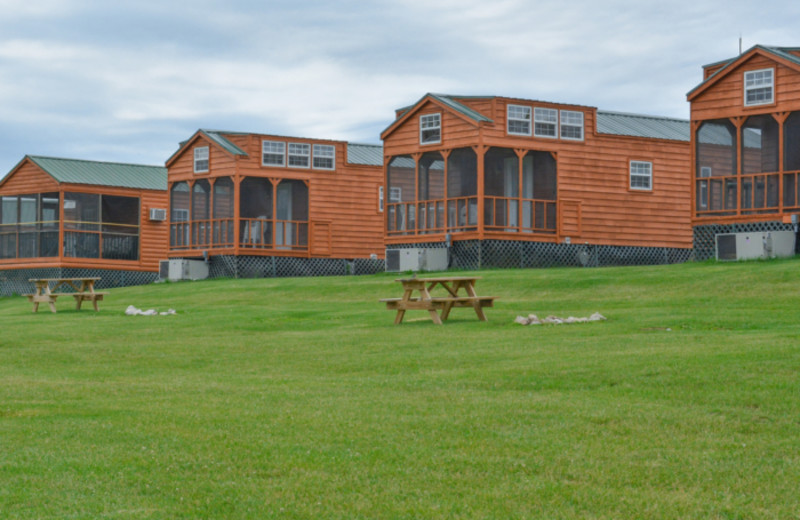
{"x":299,"y":398}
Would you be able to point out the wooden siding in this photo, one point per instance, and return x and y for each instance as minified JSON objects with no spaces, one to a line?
{"x":153,"y":235}
{"x":597,"y":204}
{"x":343,"y":203}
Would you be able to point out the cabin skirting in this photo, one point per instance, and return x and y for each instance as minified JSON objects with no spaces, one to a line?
{"x":232,"y":266}
{"x":477,"y":254}
{"x":15,"y":281}
{"x":704,"y":245}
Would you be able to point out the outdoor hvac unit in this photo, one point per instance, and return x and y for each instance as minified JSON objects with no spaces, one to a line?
{"x":416,"y":259}
{"x":158,"y":214}
{"x":749,"y":246}
{"x":180,"y":269}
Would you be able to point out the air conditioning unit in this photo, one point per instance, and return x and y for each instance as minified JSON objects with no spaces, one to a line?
{"x":182,"y":269}
{"x":159,"y":214}
{"x":416,"y":259}
{"x":750,"y":246}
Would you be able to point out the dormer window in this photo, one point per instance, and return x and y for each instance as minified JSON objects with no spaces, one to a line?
{"x":759,"y":87}
{"x":273,"y":153}
{"x":545,"y":122}
{"x":299,"y":155}
{"x":430,"y":129}
{"x":201,"y":159}
{"x":572,"y":125}
{"x":518,"y":120}
{"x":324,"y":157}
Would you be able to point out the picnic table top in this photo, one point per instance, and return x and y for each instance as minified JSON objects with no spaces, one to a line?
{"x":64,"y":279}
{"x":440,"y":279}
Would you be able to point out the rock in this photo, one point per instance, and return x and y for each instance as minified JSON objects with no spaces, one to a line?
{"x":522,"y":320}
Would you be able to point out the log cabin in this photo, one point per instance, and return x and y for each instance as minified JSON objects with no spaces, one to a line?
{"x":258,"y":205}
{"x":745,"y":125}
{"x":67,"y":217}
{"x":509,"y":182}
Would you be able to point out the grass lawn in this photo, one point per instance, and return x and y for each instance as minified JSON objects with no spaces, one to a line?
{"x":299,"y":398}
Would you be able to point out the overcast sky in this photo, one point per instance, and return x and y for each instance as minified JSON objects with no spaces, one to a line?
{"x":127,"y":80}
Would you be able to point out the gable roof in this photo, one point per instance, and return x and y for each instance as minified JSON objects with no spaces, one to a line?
{"x":447,"y":101}
{"x":636,"y":125}
{"x":216,"y":137}
{"x":98,"y":173}
{"x":781,"y":54}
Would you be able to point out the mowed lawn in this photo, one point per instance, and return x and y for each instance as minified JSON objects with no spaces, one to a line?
{"x":299,"y":398}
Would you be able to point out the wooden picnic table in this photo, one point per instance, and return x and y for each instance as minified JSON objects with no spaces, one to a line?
{"x":452,"y":285}
{"x":82,"y":289}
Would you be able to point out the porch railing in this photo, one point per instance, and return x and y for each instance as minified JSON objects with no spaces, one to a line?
{"x":751,"y":194}
{"x":516,"y":215}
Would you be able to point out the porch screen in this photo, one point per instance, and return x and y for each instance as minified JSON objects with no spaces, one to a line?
{"x":462,"y":190}
{"x":256,"y":212}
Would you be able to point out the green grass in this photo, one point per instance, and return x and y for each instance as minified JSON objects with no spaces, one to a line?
{"x":299,"y":398}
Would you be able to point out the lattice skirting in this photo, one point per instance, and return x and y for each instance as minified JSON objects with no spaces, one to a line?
{"x":230,"y":266}
{"x":15,"y":281}
{"x":704,"y":246}
{"x":476,"y":254}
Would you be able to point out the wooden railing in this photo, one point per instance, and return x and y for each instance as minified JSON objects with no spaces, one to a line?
{"x":536,"y":215}
{"x":751,"y":194}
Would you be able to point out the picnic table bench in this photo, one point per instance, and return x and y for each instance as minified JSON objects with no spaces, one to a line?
{"x":82,"y":289}
{"x":436,"y":304}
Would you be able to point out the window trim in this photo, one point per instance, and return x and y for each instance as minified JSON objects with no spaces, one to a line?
{"x":542,"y":110}
{"x":197,"y":159}
{"x":561,"y":114}
{"x":631,"y":175}
{"x":529,"y":120}
{"x":331,"y":157}
{"x":771,"y":86}
{"x":290,"y":155}
{"x":422,"y":128}
{"x":282,"y":144}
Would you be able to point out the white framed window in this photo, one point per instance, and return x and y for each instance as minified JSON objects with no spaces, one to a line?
{"x":545,"y":122}
{"x":518,"y":120}
{"x":273,"y":153}
{"x":430,"y":129}
{"x":299,"y":155}
{"x":705,"y":173}
{"x":395,"y":194}
{"x":380,"y":199}
{"x":572,"y":125}
{"x":641,"y":175}
{"x":324,"y":157}
{"x":201,"y":159}
{"x":759,"y":87}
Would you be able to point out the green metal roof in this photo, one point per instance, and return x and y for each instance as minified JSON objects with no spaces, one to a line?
{"x":218,"y":137}
{"x":636,"y":125}
{"x":367,"y":154}
{"x":119,"y":175}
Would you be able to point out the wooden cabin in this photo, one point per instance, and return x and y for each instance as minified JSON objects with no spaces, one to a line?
{"x":67,"y":217}
{"x":517,"y":182}
{"x":745,"y":118}
{"x":258,"y":205}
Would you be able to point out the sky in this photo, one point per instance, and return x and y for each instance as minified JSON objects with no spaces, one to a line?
{"x":127,"y":81}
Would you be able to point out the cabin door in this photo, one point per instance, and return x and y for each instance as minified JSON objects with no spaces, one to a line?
{"x":283,"y":226}
{"x":510,"y":190}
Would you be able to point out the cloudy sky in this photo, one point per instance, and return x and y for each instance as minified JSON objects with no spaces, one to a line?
{"x":127,"y":80}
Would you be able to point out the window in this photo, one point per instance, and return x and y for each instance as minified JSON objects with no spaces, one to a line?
{"x":299,"y":155}
{"x":572,"y":125}
{"x":758,"y":87}
{"x":430,"y":129}
{"x":273,"y":153}
{"x":201,"y":159}
{"x":395,"y":194}
{"x":641,"y":175}
{"x":702,"y":196}
{"x":324,"y":157}
{"x":519,"y":120}
{"x":380,"y":199}
{"x":545,"y":122}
